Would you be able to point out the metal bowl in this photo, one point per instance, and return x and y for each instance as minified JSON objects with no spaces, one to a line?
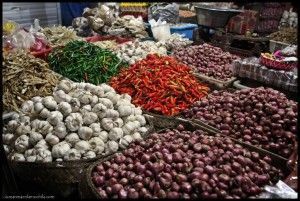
{"x":215,"y":18}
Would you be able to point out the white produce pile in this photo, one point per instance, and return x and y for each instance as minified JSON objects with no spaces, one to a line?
{"x":137,"y":50}
{"x":80,"y":121}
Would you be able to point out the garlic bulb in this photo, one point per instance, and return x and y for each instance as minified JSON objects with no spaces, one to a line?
{"x":55,"y":118}
{"x":89,"y":118}
{"x":38,"y":107}
{"x":60,"y":130}
{"x":44,"y":113}
{"x":7,"y":138}
{"x":18,"y":157}
{"x":43,"y":155}
{"x":42,"y":144}
{"x":49,"y":103}
{"x":89,"y":155}
{"x":106,"y":102}
{"x":59,"y":150}
{"x":74,"y":121}
{"x":12,"y":125}
{"x":27,"y":107}
{"x":97,"y":145}
{"x":34,"y":137}
{"x":22,"y":143}
{"x":72,"y":154}
{"x":85,"y":133}
{"x":72,"y":139}
{"x":115,"y":134}
{"x":82,"y":146}
{"x":30,"y":155}
{"x":96,"y":129}
{"x":107,"y":124}
{"x":75,"y":104}
{"x":52,"y":139}
{"x":103,"y":135}
{"x":65,"y":85}
{"x":100,"y":110}
{"x":65,"y":108}
{"x":111,"y":147}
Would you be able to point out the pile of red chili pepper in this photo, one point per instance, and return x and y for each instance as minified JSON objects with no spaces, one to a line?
{"x":160,"y":84}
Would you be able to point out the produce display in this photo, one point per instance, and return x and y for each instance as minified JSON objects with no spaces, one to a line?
{"x":260,"y":116}
{"x":184,"y":164}
{"x":128,"y":26}
{"x":289,"y":19}
{"x":176,"y":41}
{"x":59,"y":35}
{"x":83,"y":61}
{"x":208,"y":60}
{"x":24,"y":77}
{"x":79,"y":121}
{"x":159,"y":84}
{"x":136,"y":50}
{"x":107,"y":44}
{"x":285,"y":35}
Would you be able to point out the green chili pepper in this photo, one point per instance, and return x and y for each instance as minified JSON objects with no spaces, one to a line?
{"x":78,"y":58}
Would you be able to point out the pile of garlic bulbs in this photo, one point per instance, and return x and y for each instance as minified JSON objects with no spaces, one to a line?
{"x":79,"y":121}
{"x":137,"y":50}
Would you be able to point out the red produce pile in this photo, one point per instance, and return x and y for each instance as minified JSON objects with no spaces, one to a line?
{"x":262,"y":116}
{"x":184,"y":164}
{"x":207,"y":59}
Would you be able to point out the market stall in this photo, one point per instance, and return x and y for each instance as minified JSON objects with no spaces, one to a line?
{"x":134,"y":104}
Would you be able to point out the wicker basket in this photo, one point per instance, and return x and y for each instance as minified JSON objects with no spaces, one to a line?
{"x":89,"y":191}
{"x":277,"y":65}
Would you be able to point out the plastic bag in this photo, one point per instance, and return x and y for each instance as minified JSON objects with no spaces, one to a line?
{"x":22,"y":39}
{"x":281,"y":190}
{"x":164,"y":11}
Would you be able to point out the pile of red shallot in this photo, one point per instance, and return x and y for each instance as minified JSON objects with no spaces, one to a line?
{"x":184,"y":164}
{"x":260,"y":116}
{"x":208,"y":60}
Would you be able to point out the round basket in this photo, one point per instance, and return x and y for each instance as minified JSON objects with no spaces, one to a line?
{"x":278,"y":65}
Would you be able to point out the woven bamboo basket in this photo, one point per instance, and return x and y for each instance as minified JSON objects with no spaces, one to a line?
{"x":89,"y":191}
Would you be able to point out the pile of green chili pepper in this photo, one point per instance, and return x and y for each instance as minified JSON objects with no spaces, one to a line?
{"x":160,"y":84}
{"x":84,"y":62}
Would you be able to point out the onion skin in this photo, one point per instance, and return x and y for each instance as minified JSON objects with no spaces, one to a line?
{"x":219,"y":169}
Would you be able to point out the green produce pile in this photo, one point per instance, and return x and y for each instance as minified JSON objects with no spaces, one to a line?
{"x":84,"y":62}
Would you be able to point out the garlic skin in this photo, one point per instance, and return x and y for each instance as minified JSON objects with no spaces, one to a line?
{"x":85,"y":133}
{"x":98,"y":91}
{"x":100,"y":110}
{"x":44,"y":113}
{"x":137,"y":136}
{"x":30,"y":155}
{"x":115,"y":134}
{"x":43,"y":155}
{"x":107,"y":124}
{"x":52,"y":139}
{"x":89,"y":118}
{"x":72,"y":155}
{"x":111,"y":113}
{"x":108,"y":104}
{"x":55,"y":118}
{"x":125,"y":141}
{"x":103,"y":135}
{"x":12,"y":125}
{"x":118,"y":122}
{"x":125,"y":110}
{"x":74,"y":121}
{"x":43,"y":127}
{"x":25,"y":119}
{"x":49,"y":103}
{"x":34,"y":138}
{"x":38,"y":107}
{"x":37,"y":99}
{"x":59,"y":150}
{"x":75,"y":104}
{"x":22,"y":143}
{"x":96,"y":127}
{"x":65,"y":108}
{"x":82,"y":146}
{"x":27,"y":107}
{"x":65,"y":85}
{"x":97,"y":145}
{"x":72,"y":139}
{"x":42,"y":144}
{"x":141,"y":119}
{"x":89,"y":155}
{"x":60,"y":96}
{"x":7,"y":138}
{"x":111,"y":147}
{"x":18,"y":157}
{"x":60,"y":130}
{"x":23,"y":130}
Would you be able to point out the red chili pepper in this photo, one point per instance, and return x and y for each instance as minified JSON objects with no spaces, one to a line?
{"x":160,"y":84}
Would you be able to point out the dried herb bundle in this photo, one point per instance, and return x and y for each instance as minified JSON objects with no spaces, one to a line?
{"x":24,"y":77}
